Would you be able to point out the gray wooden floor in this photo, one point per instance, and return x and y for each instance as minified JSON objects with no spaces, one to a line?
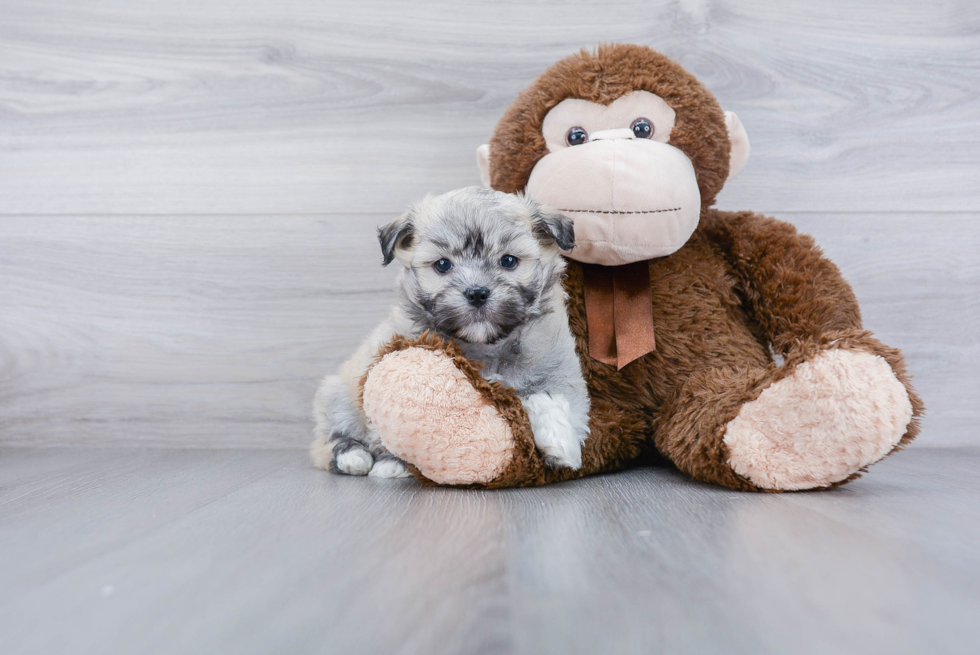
{"x":222,"y":551}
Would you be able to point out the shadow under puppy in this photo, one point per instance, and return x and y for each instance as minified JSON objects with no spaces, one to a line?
{"x":483,"y":268}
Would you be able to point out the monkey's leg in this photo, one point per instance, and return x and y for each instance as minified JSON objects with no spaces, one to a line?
{"x":834,"y":407}
{"x":432,"y":408}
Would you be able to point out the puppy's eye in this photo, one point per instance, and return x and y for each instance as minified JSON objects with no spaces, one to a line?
{"x":576,"y":136}
{"x":509,"y":262}
{"x":443,"y":266}
{"x":642,"y":128}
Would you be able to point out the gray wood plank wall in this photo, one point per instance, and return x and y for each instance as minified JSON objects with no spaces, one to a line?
{"x":188,"y":190}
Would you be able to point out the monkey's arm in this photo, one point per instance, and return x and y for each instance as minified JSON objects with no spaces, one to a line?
{"x":792,"y":290}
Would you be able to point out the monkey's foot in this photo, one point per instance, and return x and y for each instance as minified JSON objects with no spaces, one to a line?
{"x":432,"y":409}
{"x":832,"y":416}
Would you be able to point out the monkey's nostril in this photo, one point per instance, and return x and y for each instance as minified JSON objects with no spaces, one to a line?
{"x":477,"y":295}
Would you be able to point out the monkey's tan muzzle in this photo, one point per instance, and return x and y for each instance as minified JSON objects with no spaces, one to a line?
{"x":630,"y":199}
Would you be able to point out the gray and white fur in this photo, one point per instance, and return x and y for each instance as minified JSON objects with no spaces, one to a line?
{"x":483,"y":268}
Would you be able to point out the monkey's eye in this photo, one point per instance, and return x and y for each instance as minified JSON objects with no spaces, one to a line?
{"x":443,"y":266}
{"x":642,"y":128}
{"x":576,"y":136}
{"x":509,"y":262}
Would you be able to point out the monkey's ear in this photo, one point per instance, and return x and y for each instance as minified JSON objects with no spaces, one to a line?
{"x":740,"y":144}
{"x":396,"y":238}
{"x":483,"y":161}
{"x":549,"y":226}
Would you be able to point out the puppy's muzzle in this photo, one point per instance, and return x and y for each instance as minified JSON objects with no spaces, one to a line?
{"x":477,"y":296}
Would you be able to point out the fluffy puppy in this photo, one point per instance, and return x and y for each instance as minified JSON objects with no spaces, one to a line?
{"x":483,"y":268}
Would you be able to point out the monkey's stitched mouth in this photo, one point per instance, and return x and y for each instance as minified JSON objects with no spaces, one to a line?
{"x":609,"y":211}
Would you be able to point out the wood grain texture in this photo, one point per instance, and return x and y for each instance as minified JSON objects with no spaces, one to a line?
{"x":262,"y":106}
{"x":165,"y":551}
{"x":213,"y":330}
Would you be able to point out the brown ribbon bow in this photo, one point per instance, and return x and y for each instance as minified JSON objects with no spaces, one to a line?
{"x":619,"y":312}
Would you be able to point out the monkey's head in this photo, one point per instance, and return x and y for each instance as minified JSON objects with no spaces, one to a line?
{"x":624,"y":142}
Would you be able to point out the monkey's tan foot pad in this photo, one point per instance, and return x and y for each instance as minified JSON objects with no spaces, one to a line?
{"x":834,"y":415}
{"x":429,"y":413}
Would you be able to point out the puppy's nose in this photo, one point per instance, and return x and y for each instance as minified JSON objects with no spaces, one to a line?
{"x":477,"y":295}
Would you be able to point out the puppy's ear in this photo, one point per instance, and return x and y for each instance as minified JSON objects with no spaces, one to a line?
{"x":550,"y":226}
{"x":396,"y":237}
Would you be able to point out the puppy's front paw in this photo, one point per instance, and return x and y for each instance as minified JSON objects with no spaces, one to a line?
{"x":554,"y":434}
{"x":389,"y":466}
{"x":351,"y":457}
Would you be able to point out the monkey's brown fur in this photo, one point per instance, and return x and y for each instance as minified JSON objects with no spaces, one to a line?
{"x":741,"y":283}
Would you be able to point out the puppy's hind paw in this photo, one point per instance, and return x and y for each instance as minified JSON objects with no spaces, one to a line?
{"x":355,"y":461}
{"x":554,"y":434}
{"x":389,"y":467}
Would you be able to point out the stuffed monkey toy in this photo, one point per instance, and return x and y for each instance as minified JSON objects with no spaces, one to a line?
{"x":677,"y":308}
